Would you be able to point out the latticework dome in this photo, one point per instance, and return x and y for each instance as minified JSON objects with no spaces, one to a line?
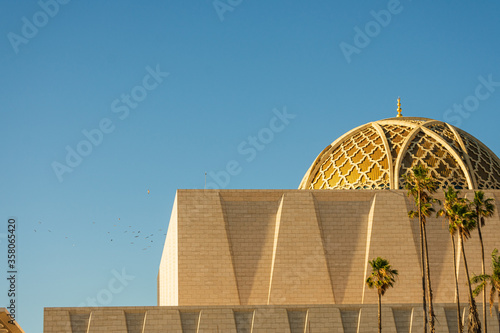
{"x":377,"y":154}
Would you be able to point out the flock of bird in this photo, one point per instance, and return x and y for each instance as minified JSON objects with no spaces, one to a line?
{"x":118,"y":233}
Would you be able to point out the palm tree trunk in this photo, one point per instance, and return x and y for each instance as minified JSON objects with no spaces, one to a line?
{"x":379,"y":313}
{"x":498,"y":314}
{"x":459,"y":246}
{"x":482,"y":268}
{"x":459,"y":317}
{"x":429,"y":288}
{"x":422,"y":258}
{"x":474,"y":325}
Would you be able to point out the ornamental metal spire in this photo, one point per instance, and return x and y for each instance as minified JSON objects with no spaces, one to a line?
{"x":399,"y":108}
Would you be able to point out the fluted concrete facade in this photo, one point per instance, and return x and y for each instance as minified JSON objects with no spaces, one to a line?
{"x":280,"y":247}
{"x":396,"y":318}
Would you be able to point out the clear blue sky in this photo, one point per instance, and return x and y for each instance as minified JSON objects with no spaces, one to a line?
{"x":87,"y":65}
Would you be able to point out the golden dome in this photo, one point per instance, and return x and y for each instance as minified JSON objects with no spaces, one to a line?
{"x":377,"y":154}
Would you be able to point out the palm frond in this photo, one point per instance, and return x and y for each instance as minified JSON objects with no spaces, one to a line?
{"x":479,"y":288}
{"x":382,"y":276}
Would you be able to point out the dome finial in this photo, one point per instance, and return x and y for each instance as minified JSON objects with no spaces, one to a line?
{"x":399,"y":108}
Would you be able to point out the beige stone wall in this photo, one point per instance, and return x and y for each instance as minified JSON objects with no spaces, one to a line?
{"x":245,"y":319}
{"x":206,"y":272}
{"x":277,"y":247}
{"x":168,"y":278}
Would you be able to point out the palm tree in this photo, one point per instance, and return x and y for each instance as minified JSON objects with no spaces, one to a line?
{"x":464,"y":218}
{"x":421,"y":186}
{"x":483,"y":208}
{"x":450,"y":198}
{"x":382,"y":278}
{"x":493,"y":279}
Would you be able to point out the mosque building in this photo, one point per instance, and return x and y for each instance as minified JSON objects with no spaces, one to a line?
{"x":297,"y":260}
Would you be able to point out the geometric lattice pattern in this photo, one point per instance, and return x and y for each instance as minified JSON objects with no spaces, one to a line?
{"x":378,"y":154}
{"x":447,"y":135}
{"x":359,"y":162}
{"x":396,"y":134}
{"x":486,"y":165}
{"x":425,"y":150}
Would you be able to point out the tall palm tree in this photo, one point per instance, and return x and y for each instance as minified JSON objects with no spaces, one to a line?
{"x":493,"y":280}
{"x":464,"y":218}
{"x":382,"y":278}
{"x":483,"y":208}
{"x":420,"y":186}
{"x":451,"y":196}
